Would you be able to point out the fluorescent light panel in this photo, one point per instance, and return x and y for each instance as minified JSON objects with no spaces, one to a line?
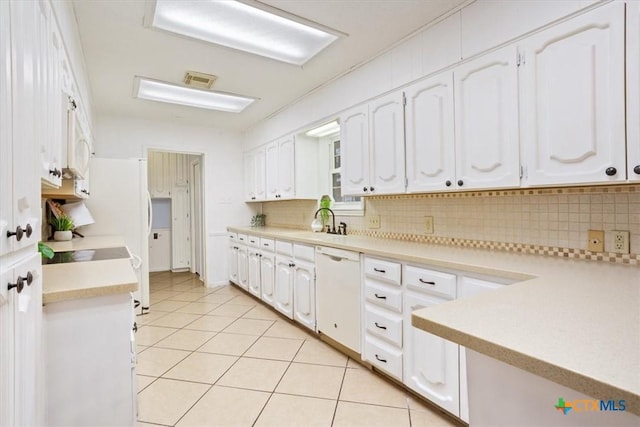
{"x":324,"y":130}
{"x":156,"y":90}
{"x":241,"y":26}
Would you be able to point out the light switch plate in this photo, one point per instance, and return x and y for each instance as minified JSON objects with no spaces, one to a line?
{"x":428,"y":225}
{"x":596,"y":240}
{"x":373,"y":221}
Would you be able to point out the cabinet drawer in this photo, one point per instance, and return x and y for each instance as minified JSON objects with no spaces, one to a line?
{"x":384,"y":295}
{"x":284,"y":248}
{"x":242,"y":238}
{"x":383,"y":356}
{"x":253,"y":241}
{"x":430,"y":281}
{"x":304,"y":252}
{"x":385,"y":270}
{"x":387,"y":326}
{"x":268,"y":244}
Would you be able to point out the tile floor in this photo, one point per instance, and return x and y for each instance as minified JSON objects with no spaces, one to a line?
{"x":218,"y":357}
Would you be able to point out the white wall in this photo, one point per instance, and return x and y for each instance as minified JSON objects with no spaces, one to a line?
{"x":123,"y":137}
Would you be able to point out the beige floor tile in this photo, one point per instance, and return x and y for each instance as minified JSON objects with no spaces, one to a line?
{"x":248,"y":326}
{"x":232,"y":344}
{"x":354,"y":364}
{"x":316,"y":352}
{"x":243,"y":299}
{"x":355,"y":414}
{"x":141,"y":424}
{"x":140,"y":348}
{"x":283,"y":329}
{"x":363,"y":386}
{"x":274,"y":348}
{"x":312,"y":380}
{"x":254,"y":374}
{"x":186,"y":296}
{"x":233,"y":310}
{"x":211,"y":323}
{"x":168,"y":305}
{"x":183,"y":287}
{"x":150,"y":317}
{"x":225,"y":406}
{"x":431,"y":419}
{"x":228,"y":290}
{"x":186,"y":339}
{"x":202,"y":291}
{"x":283,"y":410}
{"x":216,"y":298}
{"x":142,"y":381}
{"x":198,"y":308}
{"x":165,"y":401}
{"x":149,"y":335}
{"x":201,"y":367}
{"x":261,"y":312}
{"x":176,"y":320}
{"x":156,"y":297}
{"x":156,"y":361}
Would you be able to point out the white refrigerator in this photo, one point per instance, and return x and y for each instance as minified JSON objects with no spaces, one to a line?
{"x":120,"y":204}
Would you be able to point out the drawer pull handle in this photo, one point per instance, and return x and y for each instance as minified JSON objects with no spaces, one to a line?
{"x":379,"y":270}
{"x":381,"y":327}
{"x":380,"y":360}
{"x":380,"y":296}
{"x":427,"y":282}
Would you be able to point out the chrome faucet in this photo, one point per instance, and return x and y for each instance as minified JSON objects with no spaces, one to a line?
{"x":332,"y":230}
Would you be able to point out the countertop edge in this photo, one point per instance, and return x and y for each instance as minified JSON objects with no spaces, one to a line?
{"x":87,"y":292}
{"x":561,"y":375}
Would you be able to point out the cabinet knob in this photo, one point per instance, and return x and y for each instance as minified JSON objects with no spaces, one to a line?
{"x":637,"y":170}
{"x":460,"y":183}
{"x":365,"y":189}
{"x":371,"y":189}
{"x":20,"y":232}
{"x":253,"y":197}
{"x":29,"y":278}
{"x":448,"y":183}
{"x":19,"y":284}
{"x":611,"y":171}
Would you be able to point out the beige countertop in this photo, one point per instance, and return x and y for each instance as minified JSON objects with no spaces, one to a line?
{"x":576,"y":323}
{"x":76,"y":280}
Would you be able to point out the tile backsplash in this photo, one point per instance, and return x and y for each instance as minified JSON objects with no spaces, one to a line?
{"x":541,"y":218}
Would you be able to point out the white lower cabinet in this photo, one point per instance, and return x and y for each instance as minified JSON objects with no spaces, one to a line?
{"x":243,"y":267}
{"x":283,"y":295}
{"x":232,"y":257}
{"x":304,"y":294}
{"x":253,"y":271}
{"x":267,"y":276}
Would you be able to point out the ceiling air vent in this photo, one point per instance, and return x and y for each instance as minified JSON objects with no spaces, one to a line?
{"x":200,"y":80}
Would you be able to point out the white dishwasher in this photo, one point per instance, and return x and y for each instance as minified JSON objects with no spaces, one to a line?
{"x":338,"y":295}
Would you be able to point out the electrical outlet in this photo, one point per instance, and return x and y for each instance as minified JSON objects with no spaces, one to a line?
{"x":428,"y":225}
{"x":373,"y":221}
{"x":620,"y":242}
{"x":596,"y":241}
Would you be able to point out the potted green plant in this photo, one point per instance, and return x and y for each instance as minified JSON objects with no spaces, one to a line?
{"x":62,"y":226}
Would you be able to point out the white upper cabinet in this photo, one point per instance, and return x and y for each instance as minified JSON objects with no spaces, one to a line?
{"x":280,"y":169}
{"x":486,"y":112}
{"x":430,"y":134}
{"x":573,"y":100}
{"x":373,"y":147}
{"x":159,"y":174}
{"x":254,"y":171}
{"x":633,"y":90}
{"x":354,"y":137}
{"x":6,"y":135}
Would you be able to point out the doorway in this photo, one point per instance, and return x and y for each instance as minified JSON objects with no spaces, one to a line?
{"x":176,"y":189}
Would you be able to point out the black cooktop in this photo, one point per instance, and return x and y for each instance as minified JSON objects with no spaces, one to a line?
{"x":87,"y":255}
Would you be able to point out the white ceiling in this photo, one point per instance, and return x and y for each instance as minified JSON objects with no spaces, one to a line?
{"x":118,"y":47}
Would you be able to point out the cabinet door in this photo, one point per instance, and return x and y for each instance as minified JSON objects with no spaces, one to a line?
{"x":233,"y":262}
{"x":354,"y":140}
{"x":181,"y":229}
{"x":7,"y":332}
{"x":304,"y":294}
{"x":430,"y":362}
{"x":430,"y":134}
{"x":271,"y":181}
{"x":253,"y":277}
{"x":267,"y":277}
{"x":286,"y":168}
{"x":386,"y":144}
{"x":243,"y":267}
{"x":249,"y":177}
{"x":284,"y":287}
{"x":259,"y":165}
{"x":6,"y":140}
{"x":486,"y":121}
{"x":180,"y":169}
{"x":633,"y":90}
{"x":25,"y":175}
{"x":572,"y":99}
{"x":159,"y":176}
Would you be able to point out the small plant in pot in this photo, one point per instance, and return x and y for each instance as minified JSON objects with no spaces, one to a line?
{"x":62,"y":226}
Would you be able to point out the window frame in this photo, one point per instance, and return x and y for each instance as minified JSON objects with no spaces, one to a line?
{"x":340,"y":208}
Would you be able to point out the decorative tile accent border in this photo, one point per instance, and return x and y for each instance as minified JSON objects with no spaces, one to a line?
{"x":612,"y":189}
{"x":629,"y":259}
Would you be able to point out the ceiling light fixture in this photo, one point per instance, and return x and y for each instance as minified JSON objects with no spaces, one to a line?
{"x":156,"y":90}
{"x":324,"y":130}
{"x":245,"y":25}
